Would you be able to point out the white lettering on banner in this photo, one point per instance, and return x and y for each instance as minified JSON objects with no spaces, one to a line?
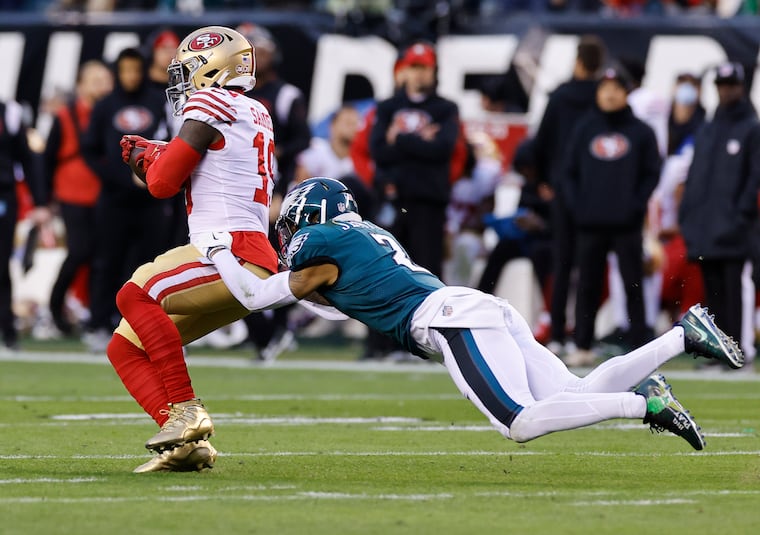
{"x":372,"y":57}
{"x":118,"y":41}
{"x":554,"y":67}
{"x":12,"y":45}
{"x":461,"y":55}
{"x":338,"y":56}
{"x":61,"y":65}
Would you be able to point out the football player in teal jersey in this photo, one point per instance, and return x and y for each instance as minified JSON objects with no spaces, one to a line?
{"x":350,"y":267}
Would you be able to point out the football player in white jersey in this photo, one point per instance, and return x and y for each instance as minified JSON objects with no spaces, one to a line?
{"x":223,"y":157}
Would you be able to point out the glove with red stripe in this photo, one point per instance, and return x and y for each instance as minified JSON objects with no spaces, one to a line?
{"x":127,"y":144}
{"x":152,"y":151}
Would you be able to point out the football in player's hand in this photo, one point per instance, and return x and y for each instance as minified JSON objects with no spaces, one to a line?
{"x":135,"y":157}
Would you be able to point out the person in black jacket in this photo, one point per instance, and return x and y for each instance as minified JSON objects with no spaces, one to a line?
{"x":565,"y":107}
{"x":613,"y":165}
{"x":14,"y":150}
{"x":412,"y":142}
{"x":131,"y":225}
{"x":718,"y":210}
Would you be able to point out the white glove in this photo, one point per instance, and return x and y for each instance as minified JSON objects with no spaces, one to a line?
{"x":208,"y":243}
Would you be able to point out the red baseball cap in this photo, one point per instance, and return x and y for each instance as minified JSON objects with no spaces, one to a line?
{"x":166,"y":38}
{"x":418,"y":54}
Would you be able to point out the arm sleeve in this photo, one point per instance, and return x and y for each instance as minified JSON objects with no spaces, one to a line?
{"x":92,"y":142}
{"x":569,"y":180}
{"x":543,"y":142}
{"x":31,"y":163}
{"x":50,"y":156}
{"x":323,"y":311}
{"x":251,"y":291}
{"x":168,"y":173}
{"x":651,"y":167}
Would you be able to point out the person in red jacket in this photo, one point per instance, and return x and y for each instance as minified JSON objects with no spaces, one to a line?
{"x":71,"y":183}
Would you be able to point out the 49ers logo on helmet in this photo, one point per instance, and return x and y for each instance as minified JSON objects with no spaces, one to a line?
{"x":205,"y":40}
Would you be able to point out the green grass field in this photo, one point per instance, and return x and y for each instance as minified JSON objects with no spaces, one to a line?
{"x":312,"y":447}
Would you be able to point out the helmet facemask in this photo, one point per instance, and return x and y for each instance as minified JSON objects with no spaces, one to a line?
{"x":180,"y":82}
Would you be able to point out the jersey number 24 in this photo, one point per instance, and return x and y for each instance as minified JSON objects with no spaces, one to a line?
{"x":399,"y":255}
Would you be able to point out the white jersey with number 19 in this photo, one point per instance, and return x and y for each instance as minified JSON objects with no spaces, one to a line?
{"x":231,"y":188}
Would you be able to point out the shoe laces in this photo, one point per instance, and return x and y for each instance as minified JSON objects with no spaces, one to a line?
{"x":178,"y":416}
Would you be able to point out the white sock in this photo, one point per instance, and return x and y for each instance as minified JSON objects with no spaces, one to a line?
{"x":620,"y":374}
{"x":570,"y":410}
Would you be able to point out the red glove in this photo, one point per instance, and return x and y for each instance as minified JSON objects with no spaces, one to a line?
{"x":153,"y":151}
{"x":128,"y":143}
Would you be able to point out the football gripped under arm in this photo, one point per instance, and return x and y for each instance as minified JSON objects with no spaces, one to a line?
{"x":251,"y":291}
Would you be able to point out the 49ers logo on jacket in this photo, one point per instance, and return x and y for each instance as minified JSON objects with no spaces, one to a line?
{"x":133,"y":119}
{"x":411,"y":120}
{"x":610,"y":147}
{"x":205,"y":40}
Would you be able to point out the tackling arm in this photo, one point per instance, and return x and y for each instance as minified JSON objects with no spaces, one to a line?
{"x":278,"y":290}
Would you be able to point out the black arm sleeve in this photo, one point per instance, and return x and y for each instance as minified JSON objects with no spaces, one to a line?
{"x":50,"y":157}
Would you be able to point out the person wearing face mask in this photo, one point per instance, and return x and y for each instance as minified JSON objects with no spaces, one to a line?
{"x":682,"y":284}
{"x":686,"y":112}
{"x":718,"y":213}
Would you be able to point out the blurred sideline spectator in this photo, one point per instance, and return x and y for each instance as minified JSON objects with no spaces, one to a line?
{"x":566,"y":105}
{"x":471,"y":198}
{"x":72,"y":184}
{"x":131,"y":225}
{"x":412,"y":143}
{"x":653,"y":109}
{"x":682,"y":284}
{"x":332,"y":158}
{"x":526,"y":233}
{"x":686,"y":112}
{"x":17,"y":162}
{"x":718,"y":212}
{"x":612,"y":168}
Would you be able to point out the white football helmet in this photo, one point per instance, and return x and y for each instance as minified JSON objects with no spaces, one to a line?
{"x":210,"y":56}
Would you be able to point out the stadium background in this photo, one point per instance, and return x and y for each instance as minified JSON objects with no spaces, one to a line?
{"x":333,"y":61}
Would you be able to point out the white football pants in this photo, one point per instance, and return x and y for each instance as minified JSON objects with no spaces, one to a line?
{"x":526,"y":391}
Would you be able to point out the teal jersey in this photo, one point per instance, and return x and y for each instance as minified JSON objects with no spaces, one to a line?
{"x":377,"y":282}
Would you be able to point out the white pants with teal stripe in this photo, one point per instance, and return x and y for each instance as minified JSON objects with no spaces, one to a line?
{"x":523,"y":388}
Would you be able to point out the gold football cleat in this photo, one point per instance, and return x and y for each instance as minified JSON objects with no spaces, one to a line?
{"x":191,"y":457}
{"x":188,"y":422}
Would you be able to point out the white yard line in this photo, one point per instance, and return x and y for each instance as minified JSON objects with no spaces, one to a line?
{"x":474,"y":453}
{"x":18,"y":481}
{"x":248,"y":397}
{"x":681,"y":497}
{"x":350,"y":366}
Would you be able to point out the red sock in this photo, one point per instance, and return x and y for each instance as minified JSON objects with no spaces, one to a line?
{"x":139,"y":376}
{"x":159,"y":337}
